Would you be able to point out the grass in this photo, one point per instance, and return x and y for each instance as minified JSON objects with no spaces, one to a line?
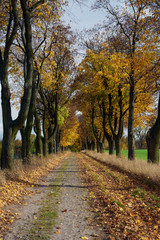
{"x":140,"y":153}
{"x":140,"y":193}
{"x":142,"y":168}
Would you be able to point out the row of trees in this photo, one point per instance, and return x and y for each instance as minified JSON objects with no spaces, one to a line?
{"x":36,"y":69}
{"x":118,"y":80}
{"x":115,"y":85}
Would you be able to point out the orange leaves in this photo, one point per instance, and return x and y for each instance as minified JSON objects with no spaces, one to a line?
{"x":125,"y":210}
{"x":14,"y":191}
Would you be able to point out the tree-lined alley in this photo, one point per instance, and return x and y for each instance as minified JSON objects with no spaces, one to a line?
{"x":115,"y":86}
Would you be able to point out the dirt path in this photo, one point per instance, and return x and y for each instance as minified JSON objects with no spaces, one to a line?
{"x":59,"y":210}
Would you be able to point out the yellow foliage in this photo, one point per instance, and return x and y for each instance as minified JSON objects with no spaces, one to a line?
{"x":70,"y":130}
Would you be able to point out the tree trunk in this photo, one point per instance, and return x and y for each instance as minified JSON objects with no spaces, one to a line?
{"x":153,"y":142}
{"x":131,"y":142}
{"x":57,"y":139}
{"x":45,"y":134}
{"x":53,"y":132}
{"x":11,"y":127}
{"x":108,"y":136}
{"x":111,"y":144}
{"x":153,"y":139}
{"x":51,"y":146}
{"x":101,"y":147}
{"x":8,"y":148}
{"x":45,"y":147}
{"x":118,"y":146}
{"x":23,"y":149}
{"x":98,"y":147}
{"x":117,"y":130}
{"x":98,"y":138}
{"x":84,"y":145}
{"x":39,"y":150}
{"x":9,"y":131}
{"x":93,"y":145}
{"x":51,"y":141}
{"x":29,"y":124}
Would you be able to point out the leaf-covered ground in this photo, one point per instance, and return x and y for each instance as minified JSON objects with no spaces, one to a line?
{"x":15,"y":190}
{"x":126,"y":206}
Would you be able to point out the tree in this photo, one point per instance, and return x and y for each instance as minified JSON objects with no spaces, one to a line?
{"x":69,"y":130}
{"x":153,"y":139}
{"x":153,"y":135}
{"x":17,"y":22}
{"x":11,"y":127}
{"x":44,"y":36}
{"x":104,"y":82}
{"x":54,"y":87}
{"x":134,"y":25}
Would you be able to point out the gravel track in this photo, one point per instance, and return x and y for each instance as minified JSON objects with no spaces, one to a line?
{"x":75,"y":219}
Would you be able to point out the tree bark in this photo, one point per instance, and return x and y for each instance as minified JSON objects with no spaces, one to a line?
{"x":153,"y":139}
{"x":131,"y":141}
{"x":99,"y":139}
{"x":117,"y":130}
{"x":29,"y":123}
{"x":98,"y":147}
{"x":45,"y":135}
{"x":23,"y":149}
{"x":52,"y":112}
{"x":51,"y":146}
{"x":37,"y":127}
{"x":45,"y":147}
{"x":51,"y":142}
{"x":93,"y":145}
{"x":57,"y":140}
{"x":108,"y":136}
{"x":111,"y":144}
{"x":8,"y":148}
{"x":118,"y":147}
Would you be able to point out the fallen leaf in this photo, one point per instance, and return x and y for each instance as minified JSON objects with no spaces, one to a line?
{"x":64,"y":210}
{"x":84,"y":238}
{"x":58,"y":227}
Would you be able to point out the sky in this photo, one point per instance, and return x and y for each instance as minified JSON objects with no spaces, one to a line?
{"x":79,"y":17}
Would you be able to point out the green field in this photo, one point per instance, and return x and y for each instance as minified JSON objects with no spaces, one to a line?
{"x":140,"y":153}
